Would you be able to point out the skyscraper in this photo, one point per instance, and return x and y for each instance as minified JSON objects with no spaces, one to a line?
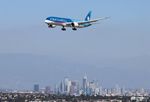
{"x":74,"y":90}
{"x":85,"y":85}
{"x":62,"y":87}
{"x":67,"y":86}
{"x":36,"y":88}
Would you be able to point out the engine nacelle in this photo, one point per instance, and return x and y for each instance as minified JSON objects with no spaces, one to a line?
{"x":51,"y":26}
{"x":74,"y":24}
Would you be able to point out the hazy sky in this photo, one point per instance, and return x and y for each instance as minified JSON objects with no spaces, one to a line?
{"x":125,"y":35}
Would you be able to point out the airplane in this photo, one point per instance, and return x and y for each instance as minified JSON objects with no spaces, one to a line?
{"x":52,"y":22}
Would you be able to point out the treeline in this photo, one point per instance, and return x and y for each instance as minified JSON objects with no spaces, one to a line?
{"x":26,"y":97}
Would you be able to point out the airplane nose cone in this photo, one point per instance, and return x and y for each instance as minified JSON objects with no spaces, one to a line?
{"x":46,"y":21}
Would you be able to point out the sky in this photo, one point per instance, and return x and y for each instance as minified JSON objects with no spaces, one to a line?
{"x":123,"y":37}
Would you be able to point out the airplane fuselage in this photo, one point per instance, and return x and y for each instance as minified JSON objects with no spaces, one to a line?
{"x":65,"y":22}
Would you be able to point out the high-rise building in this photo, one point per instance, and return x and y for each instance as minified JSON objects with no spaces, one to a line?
{"x":123,"y":91}
{"x":67,"y":86}
{"x":62,"y":87}
{"x":85,"y":85}
{"x":74,"y":89}
{"x":117,"y":90}
{"x":56,"y":89}
{"x":92,"y":89}
{"x":100,"y":90}
{"x":36,"y":88}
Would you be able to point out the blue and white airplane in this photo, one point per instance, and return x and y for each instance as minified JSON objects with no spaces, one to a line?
{"x":52,"y":22}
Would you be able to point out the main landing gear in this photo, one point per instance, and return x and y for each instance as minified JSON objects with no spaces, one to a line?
{"x":63,"y":29}
{"x":74,"y":28}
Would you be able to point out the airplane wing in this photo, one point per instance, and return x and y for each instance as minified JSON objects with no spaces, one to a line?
{"x":92,"y":21}
{"x":86,"y":22}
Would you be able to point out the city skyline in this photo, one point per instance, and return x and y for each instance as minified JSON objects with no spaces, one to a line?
{"x":85,"y":87}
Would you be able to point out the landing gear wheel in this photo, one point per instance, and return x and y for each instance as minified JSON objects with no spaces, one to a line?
{"x":63,"y":29}
{"x":74,"y":28}
{"x":50,"y":26}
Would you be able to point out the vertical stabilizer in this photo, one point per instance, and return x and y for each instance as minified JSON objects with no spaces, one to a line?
{"x":88,"y":17}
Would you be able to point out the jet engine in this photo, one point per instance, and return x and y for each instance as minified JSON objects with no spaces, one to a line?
{"x":51,"y":26}
{"x":74,"y":24}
